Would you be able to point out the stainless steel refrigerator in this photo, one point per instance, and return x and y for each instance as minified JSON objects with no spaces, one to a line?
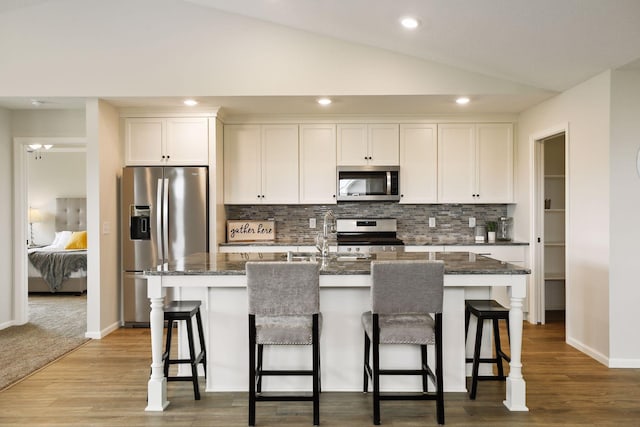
{"x":164,"y":218}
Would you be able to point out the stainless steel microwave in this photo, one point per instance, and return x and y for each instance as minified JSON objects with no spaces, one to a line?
{"x":368,"y":183}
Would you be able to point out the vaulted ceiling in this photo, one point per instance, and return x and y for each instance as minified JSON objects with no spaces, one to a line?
{"x":547,"y":45}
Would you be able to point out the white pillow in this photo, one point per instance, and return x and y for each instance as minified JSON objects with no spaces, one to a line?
{"x":61,"y":239}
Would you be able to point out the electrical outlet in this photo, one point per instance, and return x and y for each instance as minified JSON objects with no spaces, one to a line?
{"x":312,"y":223}
{"x":472,"y":222}
{"x":432,"y":222}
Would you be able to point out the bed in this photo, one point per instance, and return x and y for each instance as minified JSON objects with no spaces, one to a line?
{"x":53,"y":268}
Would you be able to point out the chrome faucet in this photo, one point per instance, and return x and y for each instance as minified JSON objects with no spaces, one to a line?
{"x":328,"y":227}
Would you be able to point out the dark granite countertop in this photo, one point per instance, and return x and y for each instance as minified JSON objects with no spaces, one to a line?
{"x":407,"y":242}
{"x":335,"y":264}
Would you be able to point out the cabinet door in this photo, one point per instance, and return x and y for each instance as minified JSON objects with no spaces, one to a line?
{"x":494,"y":144}
{"x":383,"y":147}
{"x":143,"y":141}
{"x":242,"y":170}
{"x":317,"y":164}
{"x":456,"y":163}
{"x":187,"y":141}
{"x":418,"y":163}
{"x":280,"y":164}
{"x":352,"y":144}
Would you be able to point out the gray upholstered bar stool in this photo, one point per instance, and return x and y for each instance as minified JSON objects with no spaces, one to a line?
{"x":406,"y":300}
{"x":284,"y":309}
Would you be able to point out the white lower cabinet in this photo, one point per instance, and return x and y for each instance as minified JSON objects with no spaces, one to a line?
{"x":423,"y":248}
{"x":255,"y":249}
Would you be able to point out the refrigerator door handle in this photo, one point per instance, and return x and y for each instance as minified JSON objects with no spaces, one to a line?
{"x":159,"y":214}
{"x":165,"y":220}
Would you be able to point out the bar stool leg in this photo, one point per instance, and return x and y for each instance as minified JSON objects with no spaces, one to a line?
{"x":316,"y":371}
{"x":252,"y":370}
{"x":259,"y":368}
{"x":202,"y":345}
{"x":425,"y":375}
{"x":367,"y":347}
{"x":192,"y":357}
{"x":476,"y":360}
{"x":376,"y":370}
{"x":167,"y":348}
{"x":498,"y":348}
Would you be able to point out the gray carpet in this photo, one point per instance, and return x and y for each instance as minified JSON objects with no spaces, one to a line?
{"x":57,"y":324}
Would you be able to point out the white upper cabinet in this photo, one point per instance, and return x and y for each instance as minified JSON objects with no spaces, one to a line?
{"x":167,"y":141}
{"x":318,"y":164}
{"x":261,"y":164}
{"x":475,"y":163}
{"x":495,"y":162}
{"x":418,"y":163}
{"x":372,"y":144}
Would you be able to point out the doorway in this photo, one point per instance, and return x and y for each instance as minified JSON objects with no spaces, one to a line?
{"x":24,"y":226}
{"x":550,"y":212}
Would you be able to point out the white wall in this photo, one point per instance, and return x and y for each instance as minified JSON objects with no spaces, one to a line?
{"x":6,"y":222}
{"x":104,"y":164}
{"x":48,"y":123}
{"x":625,"y":211}
{"x":172,"y":47}
{"x":55,"y":174}
{"x":586,"y":109}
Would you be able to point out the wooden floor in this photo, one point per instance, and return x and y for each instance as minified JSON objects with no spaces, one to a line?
{"x":104,"y":384}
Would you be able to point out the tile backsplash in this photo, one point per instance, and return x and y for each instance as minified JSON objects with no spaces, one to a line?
{"x":452,"y":220}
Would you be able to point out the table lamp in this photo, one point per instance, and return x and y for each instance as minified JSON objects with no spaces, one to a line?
{"x":34,"y":216}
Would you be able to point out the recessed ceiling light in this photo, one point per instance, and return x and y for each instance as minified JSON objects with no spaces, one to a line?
{"x":462,"y":100}
{"x":190,"y":102}
{"x":324,"y":101}
{"x":409,"y":22}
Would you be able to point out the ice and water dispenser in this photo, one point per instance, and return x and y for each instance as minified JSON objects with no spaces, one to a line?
{"x":139,"y":222}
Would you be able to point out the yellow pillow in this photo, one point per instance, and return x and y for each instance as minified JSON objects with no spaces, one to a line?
{"x":78,"y":240}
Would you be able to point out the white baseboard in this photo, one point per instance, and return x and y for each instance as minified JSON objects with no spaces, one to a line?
{"x":624,"y":363}
{"x":588,"y":351}
{"x":104,"y":332}
{"x":7,"y":324}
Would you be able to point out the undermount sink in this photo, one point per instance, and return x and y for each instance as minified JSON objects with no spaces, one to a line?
{"x":310,"y":256}
{"x":301,"y":256}
{"x":352,"y":257}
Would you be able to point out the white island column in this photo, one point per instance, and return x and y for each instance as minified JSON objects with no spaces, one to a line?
{"x":516,"y":387}
{"x":157,"y":386}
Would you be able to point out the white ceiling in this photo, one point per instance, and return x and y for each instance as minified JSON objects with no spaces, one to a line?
{"x":547,"y":44}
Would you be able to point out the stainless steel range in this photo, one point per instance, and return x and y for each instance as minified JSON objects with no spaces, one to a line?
{"x":364,"y":235}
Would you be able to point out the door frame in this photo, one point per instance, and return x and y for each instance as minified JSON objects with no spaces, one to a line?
{"x":20,"y":215}
{"x":537,"y":286}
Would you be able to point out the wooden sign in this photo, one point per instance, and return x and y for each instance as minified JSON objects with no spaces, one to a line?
{"x":250,"y":231}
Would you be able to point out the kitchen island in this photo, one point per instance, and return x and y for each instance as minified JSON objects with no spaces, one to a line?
{"x":219,"y":281}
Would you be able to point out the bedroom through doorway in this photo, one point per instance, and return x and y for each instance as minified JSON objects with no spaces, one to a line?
{"x":54,"y":173}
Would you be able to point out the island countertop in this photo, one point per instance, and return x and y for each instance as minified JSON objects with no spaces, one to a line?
{"x":336,"y":264}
